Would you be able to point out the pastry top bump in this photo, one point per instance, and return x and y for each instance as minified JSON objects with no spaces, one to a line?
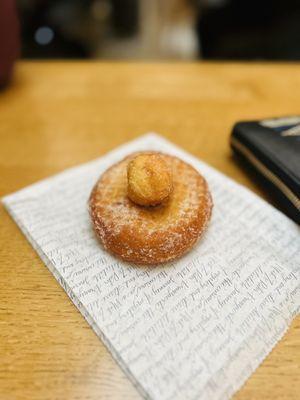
{"x":149,"y":179}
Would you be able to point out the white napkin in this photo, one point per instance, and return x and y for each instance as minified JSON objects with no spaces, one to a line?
{"x":193,"y":329}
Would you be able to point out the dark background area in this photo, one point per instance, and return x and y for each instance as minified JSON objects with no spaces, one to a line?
{"x":256,"y":29}
{"x":233,"y":29}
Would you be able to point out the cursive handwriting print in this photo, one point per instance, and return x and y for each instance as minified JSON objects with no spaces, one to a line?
{"x":195,"y":328}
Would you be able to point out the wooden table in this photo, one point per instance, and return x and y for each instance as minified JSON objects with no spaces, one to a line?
{"x":60,"y":114}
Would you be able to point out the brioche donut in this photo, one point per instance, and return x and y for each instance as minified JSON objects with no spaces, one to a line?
{"x":150,"y":234}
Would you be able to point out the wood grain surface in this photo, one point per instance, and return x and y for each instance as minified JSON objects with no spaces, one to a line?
{"x":59,"y":114}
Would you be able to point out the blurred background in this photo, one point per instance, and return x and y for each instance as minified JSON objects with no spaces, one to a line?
{"x":148,"y":30}
{"x":160,"y":29}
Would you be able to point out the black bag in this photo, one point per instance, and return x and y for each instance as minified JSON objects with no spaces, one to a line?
{"x":272,"y":147}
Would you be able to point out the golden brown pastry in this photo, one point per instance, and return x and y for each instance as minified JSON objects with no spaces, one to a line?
{"x":150,"y":208}
{"x":149,"y":179}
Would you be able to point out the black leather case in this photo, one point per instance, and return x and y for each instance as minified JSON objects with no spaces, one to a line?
{"x":272,"y":147}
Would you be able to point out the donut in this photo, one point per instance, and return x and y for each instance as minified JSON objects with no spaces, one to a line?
{"x":150,"y":208}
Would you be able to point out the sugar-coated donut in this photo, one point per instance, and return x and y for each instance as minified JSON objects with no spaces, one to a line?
{"x":150,"y":234}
